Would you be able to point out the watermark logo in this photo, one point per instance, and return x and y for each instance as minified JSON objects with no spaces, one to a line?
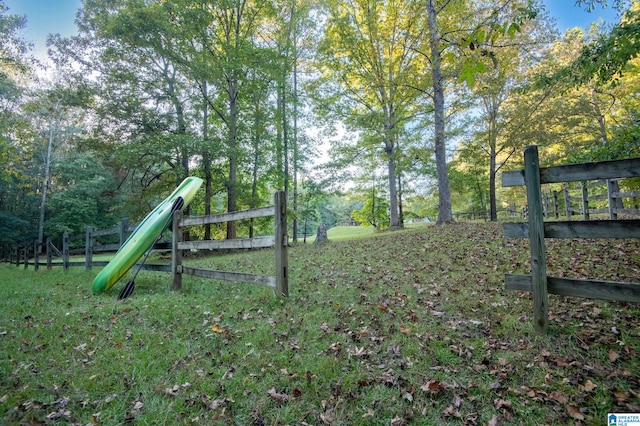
{"x":619,"y":419}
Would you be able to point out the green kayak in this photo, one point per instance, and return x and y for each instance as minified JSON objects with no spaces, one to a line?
{"x":145,"y":234}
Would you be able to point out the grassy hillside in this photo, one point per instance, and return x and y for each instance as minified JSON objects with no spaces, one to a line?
{"x":411,"y":327}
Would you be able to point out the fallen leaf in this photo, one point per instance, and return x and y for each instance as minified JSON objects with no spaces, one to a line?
{"x":613,"y":355}
{"x":559,"y":397}
{"x":500,"y":403}
{"x":277,"y":396}
{"x":397,"y":421}
{"x":620,"y":396}
{"x":494,"y":421}
{"x":172,"y":391}
{"x":574,"y":411}
{"x":217,"y":403}
{"x":434,"y":387}
{"x":329,"y":416}
{"x":588,"y":386}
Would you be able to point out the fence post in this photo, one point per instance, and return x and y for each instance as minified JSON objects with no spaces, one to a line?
{"x":612,"y":202}
{"x":49,"y":254}
{"x":124,"y":230}
{"x":585,"y":201}
{"x":555,"y":204}
{"x":176,"y":255}
{"x":567,"y":201}
{"x":36,"y":257}
{"x":536,"y":238}
{"x":88,"y":249}
{"x":282,"y":278}
{"x":65,"y":251}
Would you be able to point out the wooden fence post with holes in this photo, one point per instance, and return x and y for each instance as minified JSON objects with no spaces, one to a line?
{"x":536,"y":237}
{"x":65,"y":251}
{"x":612,"y":202}
{"x":567,"y":201}
{"x":176,"y":254}
{"x":585,"y":201}
{"x":124,"y":230}
{"x":281,"y":243}
{"x":88,"y":248}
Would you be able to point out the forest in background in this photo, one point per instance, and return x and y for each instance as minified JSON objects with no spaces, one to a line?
{"x":369,"y":111}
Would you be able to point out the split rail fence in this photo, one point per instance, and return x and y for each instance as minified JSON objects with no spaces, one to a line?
{"x":601,"y":197}
{"x":280,"y":241}
{"x":536,"y":230}
{"x":29,"y":255}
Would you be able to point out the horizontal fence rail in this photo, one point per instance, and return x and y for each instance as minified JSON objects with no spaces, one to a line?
{"x":279,"y":241}
{"x":536,"y":230}
{"x":30,"y":255}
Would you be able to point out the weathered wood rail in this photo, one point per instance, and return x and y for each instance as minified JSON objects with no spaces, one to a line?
{"x":587,"y":198}
{"x":536,"y":230}
{"x":30,"y":255}
{"x":280,"y":241}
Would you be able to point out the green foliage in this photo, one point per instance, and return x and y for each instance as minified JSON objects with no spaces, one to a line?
{"x":85,"y":197}
{"x":13,"y":48}
{"x":374,"y":212}
{"x":337,"y":209}
{"x":15,"y":229}
{"x":604,"y":59}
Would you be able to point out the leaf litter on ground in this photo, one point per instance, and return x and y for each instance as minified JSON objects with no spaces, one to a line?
{"x":403,"y":327}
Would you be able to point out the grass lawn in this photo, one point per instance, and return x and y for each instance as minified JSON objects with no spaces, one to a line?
{"x":391,"y":328}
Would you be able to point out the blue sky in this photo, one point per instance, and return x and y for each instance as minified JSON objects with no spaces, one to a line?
{"x":45,"y":17}
{"x":57,"y":16}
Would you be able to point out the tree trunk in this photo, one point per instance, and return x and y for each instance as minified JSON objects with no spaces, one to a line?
{"x":279,"y":151}
{"x":232,"y":91}
{"x":295,"y":131}
{"x":492,"y":186}
{"x":393,"y":192}
{"x":257,"y":123}
{"x":206,"y":160}
{"x":45,"y":185}
{"x":493,"y":140}
{"x":321,"y":236}
{"x":600,"y":118}
{"x":400,"y":210}
{"x":444,"y":190}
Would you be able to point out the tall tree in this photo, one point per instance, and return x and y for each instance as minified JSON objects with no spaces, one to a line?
{"x":18,"y":207}
{"x":216,"y":43}
{"x":455,"y":28}
{"x":142,"y":111}
{"x":369,"y":52}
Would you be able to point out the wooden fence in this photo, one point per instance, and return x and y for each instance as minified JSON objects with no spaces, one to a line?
{"x":536,"y":230}
{"x":29,"y":255}
{"x":280,"y":241}
{"x":601,"y":197}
